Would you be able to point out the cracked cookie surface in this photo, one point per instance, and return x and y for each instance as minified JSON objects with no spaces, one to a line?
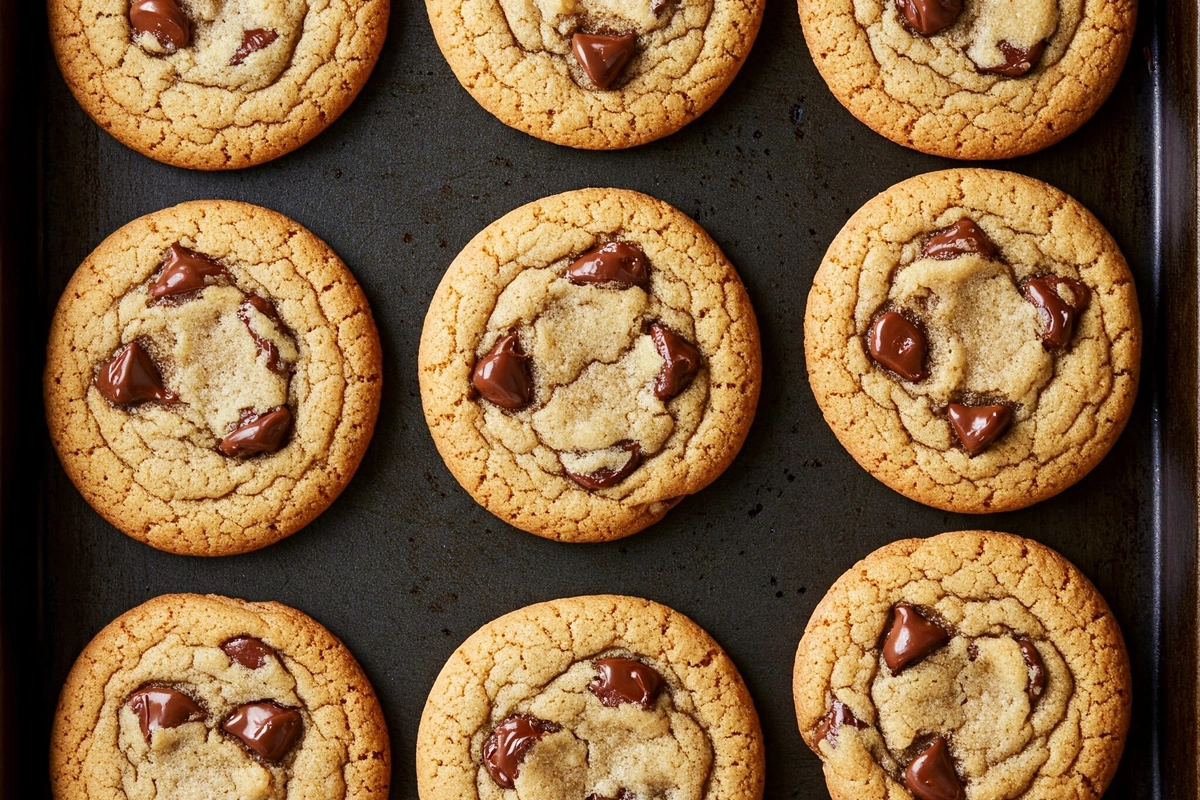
{"x":268,"y":371}
{"x":1065,"y":394}
{"x":944,"y":94}
{"x":157,"y":705}
{"x":1023,"y":691}
{"x":663,"y":62}
{"x":576,"y":677}
{"x":623,"y":392}
{"x":230,"y":84}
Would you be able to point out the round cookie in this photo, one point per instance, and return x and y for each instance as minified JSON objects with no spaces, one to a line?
{"x":972,"y":665}
{"x":588,"y":360}
{"x":972,"y":79}
{"x":602,"y":697}
{"x":209,"y":84}
{"x":973,"y":339}
{"x":596,"y":74}
{"x":206,"y":696}
{"x":212,"y":378}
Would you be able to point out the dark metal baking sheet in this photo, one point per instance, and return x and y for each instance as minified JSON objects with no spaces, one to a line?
{"x":404,"y":566}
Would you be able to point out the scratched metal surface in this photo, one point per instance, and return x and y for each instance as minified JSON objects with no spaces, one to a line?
{"x":405,"y":565}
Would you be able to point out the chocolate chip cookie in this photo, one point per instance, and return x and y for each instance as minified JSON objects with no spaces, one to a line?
{"x":205,"y":696}
{"x":970,"y":665}
{"x":600,"y":697}
{"x":212,"y":378}
{"x":973,"y":339}
{"x":210,"y":84}
{"x":588,"y":361}
{"x":596,"y":74}
{"x":970,"y":78}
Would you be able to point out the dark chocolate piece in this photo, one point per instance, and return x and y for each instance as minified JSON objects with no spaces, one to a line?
{"x":252,"y":42}
{"x":251,"y":653}
{"x":1037,"y":668}
{"x":911,"y":637}
{"x":622,"y":794}
{"x":258,"y":433}
{"x":267,"y":728}
{"x":509,"y":743}
{"x":977,"y":427}
{"x":931,"y":774}
{"x":502,"y":376}
{"x":603,"y":57}
{"x":184,"y":270}
{"x":619,"y":264}
{"x":163,"y":707}
{"x":896,"y":343}
{"x":1017,"y":62}
{"x":267,"y":309}
{"x":131,"y":377}
{"x":827,"y":729}
{"x":681,"y":362}
{"x":1058,"y":316}
{"x":624,"y":680}
{"x":928,"y":17}
{"x":607,"y":477}
{"x":163,"y":19}
{"x":961,"y":238}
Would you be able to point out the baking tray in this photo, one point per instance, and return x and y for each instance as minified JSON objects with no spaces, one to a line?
{"x":404,"y":566}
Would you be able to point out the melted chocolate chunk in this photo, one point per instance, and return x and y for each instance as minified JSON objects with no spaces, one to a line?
{"x":163,"y":707}
{"x":184,"y":270}
{"x":251,"y":653}
{"x":931,"y":774}
{"x":163,"y":19}
{"x":131,"y":377}
{"x":961,"y":238}
{"x":617,"y":263}
{"x":506,"y":747}
{"x":267,"y":309}
{"x":681,"y":362}
{"x":978,"y":427}
{"x":1058,"y":316}
{"x":898,"y":344}
{"x":624,"y":680}
{"x":607,"y":477}
{"x":1016,"y":61}
{"x":911,"y":637}
{"x":252,"y":42}
{"x":502,"y":376}
{"x":267,"y":728}
{"x":827,"y":729}
{"x":603,"y":57}
{"x":1037,"y":669}
{"x":928,"y":17}
{"x":258,"y":433}
{"x":623,"y":794}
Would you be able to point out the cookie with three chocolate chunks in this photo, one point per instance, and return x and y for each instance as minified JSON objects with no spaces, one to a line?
{"x":588,"y":361}
{"x":215,"y":386}
{"x":205,"y":696}
{"x":982,"y":79}
{"x":973,"y":339}
{"x":215,"y":85}
{"x":1022,"y":689}
{"x":595,"y":74}
{"x":600,"y":698}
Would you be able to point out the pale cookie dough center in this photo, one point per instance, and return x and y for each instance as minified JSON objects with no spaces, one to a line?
{"x":218,"y":31}
{"x":594,"y":366}
{"x":975,"y":692}
{"x":208,"y":356}
{"x":547,"y":25}
{"x":660,"y":753}
{"x":197,"y":760}
{"x":985,"y":339}
{"x":1021,"y":23}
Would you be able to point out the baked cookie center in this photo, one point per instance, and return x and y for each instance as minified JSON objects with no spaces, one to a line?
{"x":606,"y":729}
{"x":585,"y":369}
{"x":971,"y":345}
